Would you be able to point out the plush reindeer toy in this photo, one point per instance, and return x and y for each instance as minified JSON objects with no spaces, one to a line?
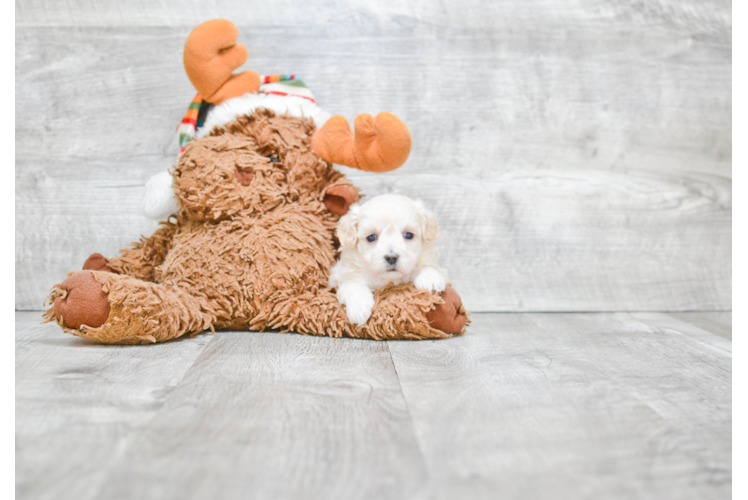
{"x":251,"y":209}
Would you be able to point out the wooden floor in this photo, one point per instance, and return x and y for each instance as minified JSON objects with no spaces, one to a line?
{"x":603,"y":405}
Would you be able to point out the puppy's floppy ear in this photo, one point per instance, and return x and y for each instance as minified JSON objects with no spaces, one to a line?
{"x":348,"y":227}
{"x":429,"y":226}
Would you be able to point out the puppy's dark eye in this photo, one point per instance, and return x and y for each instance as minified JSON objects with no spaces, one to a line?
{"x":371,"y":238}
{"x":274,"y":158}
{"x":408,"y":236}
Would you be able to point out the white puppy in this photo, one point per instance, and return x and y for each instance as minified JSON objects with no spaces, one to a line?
{"x":390,"y":238}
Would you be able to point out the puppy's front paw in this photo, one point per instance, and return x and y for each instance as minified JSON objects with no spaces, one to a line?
{"x":358,"y":308}
{"x":430,"y":279}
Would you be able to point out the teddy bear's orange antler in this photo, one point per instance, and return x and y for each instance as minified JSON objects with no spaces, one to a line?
{"x":380,"y":144}
{"x":211,"y":54}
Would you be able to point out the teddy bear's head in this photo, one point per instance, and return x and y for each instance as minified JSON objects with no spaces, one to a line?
{"x":250,"y":143}
{"x":250,"y":166}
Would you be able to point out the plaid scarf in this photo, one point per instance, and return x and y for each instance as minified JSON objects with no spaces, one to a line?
{"x":283,"y":85}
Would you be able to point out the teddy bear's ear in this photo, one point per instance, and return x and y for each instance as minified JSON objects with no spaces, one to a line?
{"x":380,"y":144}
{"x":159,"y":201}
{"x":211,"y":54}
{"x":339,"y":198}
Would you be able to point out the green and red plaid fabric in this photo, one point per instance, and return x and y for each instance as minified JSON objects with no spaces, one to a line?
{"x":283,"y":85}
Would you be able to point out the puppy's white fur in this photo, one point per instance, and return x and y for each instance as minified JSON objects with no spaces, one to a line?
{"x":366,"y":265}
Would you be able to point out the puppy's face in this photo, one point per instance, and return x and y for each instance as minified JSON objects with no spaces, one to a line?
{"x":388,"y":232}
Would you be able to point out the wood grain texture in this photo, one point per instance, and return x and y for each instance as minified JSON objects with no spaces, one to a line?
{"x":79,"y":405}
{"x":563,"y":106}
{"x":477,"y":101}
{"x":265,"y":415}
{"x":712,"y":16}
{"x":571,"y":406}
{"x":65,"y":214}
{"x":604,"y":405}
{"x":28,"y":328}
{"x":718,"y":323}
{"x":581,"y":240}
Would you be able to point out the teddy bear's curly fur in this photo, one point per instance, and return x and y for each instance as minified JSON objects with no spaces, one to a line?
{"x":251,"y":248}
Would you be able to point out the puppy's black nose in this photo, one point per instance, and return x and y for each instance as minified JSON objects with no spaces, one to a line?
{"x":391,"y":259}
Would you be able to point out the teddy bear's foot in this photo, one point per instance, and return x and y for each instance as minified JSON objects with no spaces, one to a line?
{"x":118,"y":309}
{"x":97,"y":262}
{"x":449,"y":317}
{"x":81,"y":301}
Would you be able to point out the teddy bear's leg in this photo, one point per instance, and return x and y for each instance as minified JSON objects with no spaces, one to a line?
{"x":140,"y":259}
{"x":117,"y":309}
{"x":400,"y":312}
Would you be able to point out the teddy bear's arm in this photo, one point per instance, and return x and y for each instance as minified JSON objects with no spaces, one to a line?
{"x":141,"y":258}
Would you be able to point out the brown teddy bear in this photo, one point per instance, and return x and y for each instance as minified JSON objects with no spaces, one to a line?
{"x":252,"y":242}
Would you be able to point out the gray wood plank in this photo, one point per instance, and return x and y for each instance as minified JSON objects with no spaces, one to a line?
{"x":692,"y":332}
{"x":277,"y":416}
{"x":530,"y":116}
{"x":718,"y":323}
{"x":697,"y":15}
{"x":608,"y":405}
{"x":28,"y":328}
{"x":64,"y":215}
{"x":79,"y":404}
{"x":571,"y":406}
{"x":584,"y":240}
{"x":604,"y":95}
